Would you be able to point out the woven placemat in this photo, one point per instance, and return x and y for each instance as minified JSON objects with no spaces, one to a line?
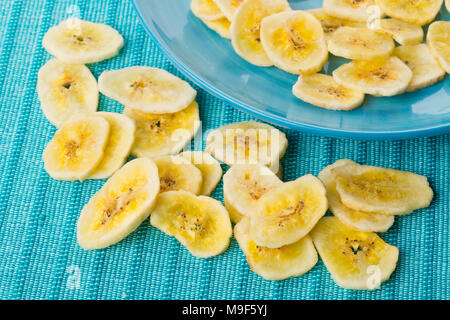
{"x":39,"y":255}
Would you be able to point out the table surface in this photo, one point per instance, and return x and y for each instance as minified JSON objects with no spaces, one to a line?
{"x":39,"y":255}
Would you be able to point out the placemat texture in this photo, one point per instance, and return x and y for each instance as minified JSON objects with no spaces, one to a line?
{"x":39,"y":255}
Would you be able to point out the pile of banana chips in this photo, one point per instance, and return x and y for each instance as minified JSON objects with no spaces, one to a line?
{"x":280,"y":226}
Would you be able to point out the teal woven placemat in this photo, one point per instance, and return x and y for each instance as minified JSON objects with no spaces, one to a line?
{"x":39,"y":256}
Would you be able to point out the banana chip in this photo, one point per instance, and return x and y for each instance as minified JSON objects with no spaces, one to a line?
{"x":220,"y":26}
{"x":418,"y":12}
{"x":163,"y":134}
{"x":206,"y":10}
{"x":120,"y":141}
{"x":246,"y":25}
{"x":360,"y":43}
{"x":288,"y":261}
{"x":243,"y":186}
{"x":403,"y":32}
{"x":438,"y":39}
{"x":355,"y":259}
{"x":381,"y":190}
{"x":235,"y":216}
{"x":120,"y":206}
{"x":248,"y":142}
{"x":380,"y":77}
{"x":355,"y":219}
{"x":228,"y":7}
{"x":323,"y":91}
{"x":349,"y":9}
{"x":76,"y":148}
{"x":288,"y":212}
{"x":200,"y":223}
{"x":330,"y":24}
{"x":147,"y":89}
{"x":77,"y":41}
{"x":66,"y":91}
{"x":294,"y":41}
{"x":280,"y":172}
{"x":426,"y":70}
{"x":208,"y":166}
{"x":177,"y":173}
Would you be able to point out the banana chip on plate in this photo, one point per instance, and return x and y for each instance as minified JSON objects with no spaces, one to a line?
{"x":357,"y":10}
{"x":323,"y":91}
{"x":206,"y":10}
{"x":360,"y":43}
{"x":379,"y":77}
{"x":438,"y":39}
{"x":228,"y":7}
{"x":403,"y":32}
{"x":246,"y":29}
{"x":330,"y":24}
{"x":220,"y":26}
{"x":294,"y":41}
{"x":425,"y":68}
{"x":418,"y":12}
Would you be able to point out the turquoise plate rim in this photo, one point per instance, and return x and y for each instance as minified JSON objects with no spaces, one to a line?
{"x":277,"y":120}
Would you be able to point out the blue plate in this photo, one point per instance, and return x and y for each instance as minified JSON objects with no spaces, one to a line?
{"x":210,"y":62}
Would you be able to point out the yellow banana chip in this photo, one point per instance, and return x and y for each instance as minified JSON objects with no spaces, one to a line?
{"x":355,"y":219}
{"x":208,"y":166}
{"x":246,"y":26}
{"x":381,"y":190}
{"x":355,"y":259}
{"x":418,"y":12}
{"x":76,"y":148}
{"x":120,"y":206}
{"x":121,"y":139}
{"x":438,"y":39}
{"x":163,"y":134}
{"x":177,"y":173}
{"x":200,"y":223}
{"x":288,"y":261}
{"x":288,"y":212}
{"x":244,"y":185}
{"x":294,"y":41}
